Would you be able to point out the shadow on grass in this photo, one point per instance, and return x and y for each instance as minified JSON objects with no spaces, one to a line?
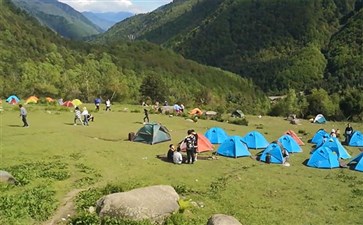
{"x":108,"y":139}
{"x":305,"y":163}
{"x":70,"y":124}
{"x":139,"y":122}
{"x":163,"y":158}
{"x":15,"y":125}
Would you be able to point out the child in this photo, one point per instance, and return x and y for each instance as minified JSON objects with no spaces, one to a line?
{"x":77,"y":116}
{"x":85,"y":116}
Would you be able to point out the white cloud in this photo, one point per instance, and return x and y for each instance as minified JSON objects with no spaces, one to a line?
{"x":135,"y":6}
{"x":100,"y":5}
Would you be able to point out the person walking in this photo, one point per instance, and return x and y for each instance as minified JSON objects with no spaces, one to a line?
{"x":77,"y":116}
{"x":146,"y":118}
{"x":85,"y":116}
{"x":23,"y":115}
{"x":108,"y":105}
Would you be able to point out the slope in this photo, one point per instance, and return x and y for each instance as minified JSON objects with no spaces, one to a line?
{"x":279,"y":44}
{"x":36,"y":61}
{"x":60,"y":17}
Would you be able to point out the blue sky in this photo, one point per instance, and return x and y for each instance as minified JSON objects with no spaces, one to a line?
{"x":135,"y":6}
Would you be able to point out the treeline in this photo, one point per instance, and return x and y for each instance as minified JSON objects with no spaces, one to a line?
{"x":35,"y":61}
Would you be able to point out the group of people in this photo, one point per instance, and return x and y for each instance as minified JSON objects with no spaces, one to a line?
{"x":107,"y":103}
{"x":86,"y":116}
{"x":191,"y":144}
{"x":348,"y":132}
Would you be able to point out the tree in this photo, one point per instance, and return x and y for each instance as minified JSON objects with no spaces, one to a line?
{"x":154,"y":87}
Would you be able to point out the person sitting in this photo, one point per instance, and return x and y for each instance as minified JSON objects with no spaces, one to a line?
{"x":332,"y":133}
{"x":337,"y":133}
{"x":177,"y":157}
{"x":171,"y":153}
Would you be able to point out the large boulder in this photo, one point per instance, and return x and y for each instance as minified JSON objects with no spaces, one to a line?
{"x":221,"y":219}
{"x":153,"y":203}
{"x":6,"y":177}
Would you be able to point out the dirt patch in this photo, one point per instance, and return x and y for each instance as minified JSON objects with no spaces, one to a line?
{"x":66,"y":209}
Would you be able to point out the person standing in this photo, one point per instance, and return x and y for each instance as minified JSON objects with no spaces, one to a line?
{"x":77,"y":116}
{"x":146,"y":118}
{"x":348,"y":133}
{"x":85,"y":116}
{"x":189,"y":142}
{"x":23,"y":115}
{"x":97,"y":103}
{"x":108,"y":105}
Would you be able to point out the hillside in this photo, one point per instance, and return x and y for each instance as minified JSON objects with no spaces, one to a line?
{"x":279,"y":44}
{"x":106,"y":20}
{"x":59,"y":17}
{"x":34,"y":60}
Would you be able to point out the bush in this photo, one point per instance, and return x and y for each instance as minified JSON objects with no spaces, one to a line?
{"x":242,"y":121}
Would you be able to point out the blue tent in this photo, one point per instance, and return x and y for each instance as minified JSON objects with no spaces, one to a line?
{"x":323,"y":157}
{"x":334,"y":144}
{"x":319,"y":119}
{"x":356,"y":140}
{"x":12,"y":98}
{"x":255,"y":139}
{"x":319,"y":136}
{"x":358,"y":161}
{"x":275,"y":152}
{"x":233,"y":147}
{"x":289,"y":143}
{"x":216,"y":135}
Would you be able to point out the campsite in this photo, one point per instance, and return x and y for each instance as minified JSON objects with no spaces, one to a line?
{"x":59,"y":158}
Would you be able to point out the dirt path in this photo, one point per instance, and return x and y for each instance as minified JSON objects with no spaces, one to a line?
{"x":66,"y":208}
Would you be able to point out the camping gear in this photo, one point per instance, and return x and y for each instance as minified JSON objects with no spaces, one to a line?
{"x":196,"y":111}
{"x":204,"y":144}
{"x":334,"y":144}
{"x":152,"y":133}
{"x":319,"y":137}
{"x":357,"y":162}
{"x":255,"y":140}
{"x":272,"y":154}
{"x":68,"y":104}
{"x":238,"y":114}
{"x":319,"y":119}
{"x":295,"y":137}
{"x":289,"y":144}
{"x":233,"y":147}
{"x":12,"y":99}
{"x":323,"y":157}
{"x":32,"y":99}
{"x":356,"y":139}
{"x":216,"y":135}
{"x":49,"y":99}
{"x":76,"y":102}
{"x":131,"y":136}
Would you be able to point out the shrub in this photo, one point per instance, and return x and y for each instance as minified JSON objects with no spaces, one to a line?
{"x":242,"y":121}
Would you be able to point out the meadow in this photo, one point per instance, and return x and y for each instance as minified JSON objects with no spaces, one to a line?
{"x":53,"y":157}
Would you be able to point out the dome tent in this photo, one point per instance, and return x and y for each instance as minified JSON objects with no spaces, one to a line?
{"x":152,"y":133}
{"x":233,"y":147}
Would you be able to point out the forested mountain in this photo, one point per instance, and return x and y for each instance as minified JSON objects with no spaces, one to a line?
{"x":59,"y":17}
{"x":106,"y":20}
{"x":34,"y":60}
{"x":279,"y":44}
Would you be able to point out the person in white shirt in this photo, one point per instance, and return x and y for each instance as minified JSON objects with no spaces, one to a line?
{"x":108,"y":105}
{"x":77,"y":116}
{"x":177,"y":157}
{"x":85,"y":116}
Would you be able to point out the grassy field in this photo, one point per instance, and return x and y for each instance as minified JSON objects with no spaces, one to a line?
{"x":53,"y":157}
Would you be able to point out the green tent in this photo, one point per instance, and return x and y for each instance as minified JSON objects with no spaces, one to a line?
{"x":152,"y":133}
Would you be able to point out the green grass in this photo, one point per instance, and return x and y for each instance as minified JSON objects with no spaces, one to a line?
{"x":55,"y":154}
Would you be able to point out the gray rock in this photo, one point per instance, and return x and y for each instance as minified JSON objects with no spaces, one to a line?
{"x":154,"y":203}
{"x":221,"y":219}
{"x":6,"y":177}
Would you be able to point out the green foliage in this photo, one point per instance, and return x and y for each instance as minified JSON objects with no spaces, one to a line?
{"x":242,"y":121}
{"x":37,"y":203}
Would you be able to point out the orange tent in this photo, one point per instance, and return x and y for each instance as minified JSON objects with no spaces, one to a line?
{"x":204,"y":144}
{"x":68,"y":104}
{"x":49,"y":99}
{"x":32,"y":99}
{"x":196,"y":111}
{"x":295,"y":137}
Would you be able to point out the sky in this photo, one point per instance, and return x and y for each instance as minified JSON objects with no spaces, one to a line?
{"x":134,"y":6}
